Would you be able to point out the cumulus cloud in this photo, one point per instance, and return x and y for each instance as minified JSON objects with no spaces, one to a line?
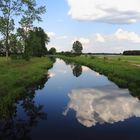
{"x":99,"y":38}
{"x":56,"y":36}
{"x":83,"y":40}
{"x":125,"y":35}
{"x":119,"y":35}
{"x":115,"y":42}
{"x":109,"y":11}
{"x":107,"y":104}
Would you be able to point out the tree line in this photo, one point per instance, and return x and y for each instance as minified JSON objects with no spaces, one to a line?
{"x":132,"y":52}
{"x":77,"y":48}
{"x":18,"y":36}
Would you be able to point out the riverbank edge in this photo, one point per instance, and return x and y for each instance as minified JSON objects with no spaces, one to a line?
{"x":121,"y":73}
{"x":26,"y":75}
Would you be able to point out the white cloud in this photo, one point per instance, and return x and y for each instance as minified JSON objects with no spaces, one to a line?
{"x":109,"y":11}
{"x":129,"y":36}
{"x":51,"y":34}
{"x":115,"y":42}
{"x":100,"y":38}
{"x":119,"y":35}
{"x":107,"y":104}
{"x":56,"y":36}
{"x":83,"y":40}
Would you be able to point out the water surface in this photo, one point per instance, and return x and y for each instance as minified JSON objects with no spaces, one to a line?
{"x":75,"y":103}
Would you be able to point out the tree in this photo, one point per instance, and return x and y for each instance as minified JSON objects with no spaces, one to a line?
{"x":77,"y":47}
{"x":31,"y":13}
{"x":33,"y":43}
{"x":37,"y":41}
{"x":2,"y":48}
{"x":44,"y":39}
{"x":132,"y":52}
{"x":52,"y":51}
{"x":16,"y":46}
{"x":8,"y":9}
{"x":28,"y":11}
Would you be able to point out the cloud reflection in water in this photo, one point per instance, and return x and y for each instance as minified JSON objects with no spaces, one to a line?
{"x":107,"y":104}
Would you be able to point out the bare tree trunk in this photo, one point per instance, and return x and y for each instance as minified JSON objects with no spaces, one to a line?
{"x":7,"y":31}
{"x":6,"y":42}
{"x":7,"y":55}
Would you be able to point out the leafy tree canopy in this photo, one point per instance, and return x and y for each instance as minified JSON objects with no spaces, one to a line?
{"x":77,"y":47}
{"x":52,"y":51}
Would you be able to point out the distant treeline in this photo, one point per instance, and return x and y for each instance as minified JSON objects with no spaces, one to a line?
{"x":68,"y":53}
{"x":102,"y":53}
{"x":132,"y":52}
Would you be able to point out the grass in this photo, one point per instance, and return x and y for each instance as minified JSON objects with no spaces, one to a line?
{"x":130,"y":59}
{"x":119,"y":69}
{"x":16,"y":76}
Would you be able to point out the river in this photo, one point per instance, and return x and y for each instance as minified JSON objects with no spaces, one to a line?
{"x":75,"y":103}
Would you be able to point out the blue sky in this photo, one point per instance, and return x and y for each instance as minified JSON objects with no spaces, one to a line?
{"x":66,"y":21}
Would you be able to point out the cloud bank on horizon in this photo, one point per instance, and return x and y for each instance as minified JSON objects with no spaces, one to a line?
{"x":117,"y":41}
{"x":119,"y":35}
{"x":108,"y":11}
{"x":111,"y":26}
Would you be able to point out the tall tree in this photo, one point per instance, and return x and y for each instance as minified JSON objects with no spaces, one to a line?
{"x":37,"y":41}
{"x":31,"y":14}
{"x":8,"y":9}
{"x":77,"y":47}
{"x":44,"y":39}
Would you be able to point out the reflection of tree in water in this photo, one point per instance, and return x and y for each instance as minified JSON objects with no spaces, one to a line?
{"x":38,"y":85}
{"x":68,"y":62}
{"x":77,"y":70}
{"x":18,"y":127}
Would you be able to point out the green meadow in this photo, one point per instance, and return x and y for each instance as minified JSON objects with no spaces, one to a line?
{"x":16,"y":76}
{"x":130,"y":59}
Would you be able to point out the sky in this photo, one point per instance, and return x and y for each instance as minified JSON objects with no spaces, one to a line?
{"x":100,"y":25}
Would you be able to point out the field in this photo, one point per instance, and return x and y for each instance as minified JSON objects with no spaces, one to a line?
{"x":123,"y":70}
{"x":130,"y":59}
{"x":16,"y":76}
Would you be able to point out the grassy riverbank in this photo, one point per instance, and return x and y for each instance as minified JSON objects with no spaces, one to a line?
{"x":124,"y":71}
{"x":130,"y":59}
{"x":16,"y":76}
